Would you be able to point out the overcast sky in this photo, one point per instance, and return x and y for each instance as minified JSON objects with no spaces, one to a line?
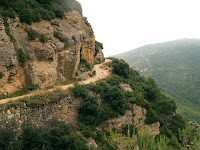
{"x":123,"y":25}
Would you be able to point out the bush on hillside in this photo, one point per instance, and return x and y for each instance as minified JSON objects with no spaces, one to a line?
{"x":114,"y":80}
{"x":80,"y":91}
{"x":22,"y":56}
{"x":1,"y":75}
{"x":58,"y":36}
{"x":42,"y":38}
{"x":31,"y":34}
{"x":120,"y":67}
{"x":26,"y":16}
{"x":115,"y":97}
{"x":89,"y":112}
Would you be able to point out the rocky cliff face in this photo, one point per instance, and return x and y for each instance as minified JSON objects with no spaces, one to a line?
{"x":136,"y":116}
{"x":50,"y":62}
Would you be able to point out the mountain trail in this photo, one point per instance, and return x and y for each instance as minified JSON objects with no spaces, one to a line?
{"x":101,"y":73}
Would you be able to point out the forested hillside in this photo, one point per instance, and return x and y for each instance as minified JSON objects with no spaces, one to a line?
{"x":100,"y":103}
{"x":175,"y":67}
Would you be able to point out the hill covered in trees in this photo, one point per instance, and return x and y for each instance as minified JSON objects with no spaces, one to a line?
{"x":175,"y":67}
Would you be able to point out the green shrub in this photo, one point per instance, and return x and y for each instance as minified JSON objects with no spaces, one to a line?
{"x":93,"y":73}
{"x":26,"y":15}
{"x":7,"y":29}
{"x":59,"y":13}
{"x":101,"y":87}
{"x":177,"y":122}
{"x":9,"y":13}
{"x":87,"y":131}
{"x":8,"y":135}
{"x":80,"y":91}
{"x":31,"y":34}
{"x":6,"y":24}
{"x":89,"y":112}
{"x":58,"y":135}
{"x":120,"y":67}
{"x":42,"y":38}
{"x":114,"y":80}
{"x":45,"y":14}
{"x":1,"y":75}
{"x":32,"y":87}
{"x":35,"y":138}
{"x":65,"y":136}
{"x":86,"y":63}
{"x":98,"y":45}
{"x":151,"y":116}
{"x":58,"y":36}
{"x":22,"y":56}
{"x":87,"y":23}
{"x":115,"y":97}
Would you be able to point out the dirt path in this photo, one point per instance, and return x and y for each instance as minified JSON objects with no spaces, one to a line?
{"x":101,"y":73}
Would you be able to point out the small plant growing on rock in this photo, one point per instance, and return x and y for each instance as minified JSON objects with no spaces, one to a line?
{"x":58,"y":36}
{"x":1,"y":75}
{"x":22,"y":56}
{"x":42,"y":38}
{"x":31,"y":34}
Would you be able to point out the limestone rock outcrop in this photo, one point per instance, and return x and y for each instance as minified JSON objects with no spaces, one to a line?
{"x":136,"y":116}
{"x":65,"y":110}
{"x":99,"y":56}
{"x":125,"y":87}
{"x":48,"y":62}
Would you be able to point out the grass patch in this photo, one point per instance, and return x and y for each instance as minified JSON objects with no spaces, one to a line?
{"x":25,"y":90}
{"x":40,"y":99}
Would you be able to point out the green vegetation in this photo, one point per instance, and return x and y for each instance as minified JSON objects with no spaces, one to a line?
{"x":7,"y":28}
{"x":100,"y":102}
{"x":115,"y":101}
{"x":6,"y":24}
{"x":34,"y":10}
{"x":92,"y":74}
{"x":58,"y":36}
{"x":22,"y":56}
{"x":42,"y":38}
{"x":54,"y":135}
{"x":87,"y":65}
{"x":1,"y":75}
{"x":121,"y":68}
{"x":98,"y":45}
{"x":175,"y":67}
{"x":143,"y":141}
{"x":189,"y":138}
{"x":31,"y":34}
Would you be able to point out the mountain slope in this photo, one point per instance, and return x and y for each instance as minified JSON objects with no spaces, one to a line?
{"x":175,"y":67}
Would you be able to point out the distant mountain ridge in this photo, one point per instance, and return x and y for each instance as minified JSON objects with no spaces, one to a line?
{"x":175,"y":67}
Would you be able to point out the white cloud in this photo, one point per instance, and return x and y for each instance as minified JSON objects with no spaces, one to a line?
{"x":123,"y":25}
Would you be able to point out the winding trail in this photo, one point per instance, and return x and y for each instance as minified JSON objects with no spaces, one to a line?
{"x":101,"y":73}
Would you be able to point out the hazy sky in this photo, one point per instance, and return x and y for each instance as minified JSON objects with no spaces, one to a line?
{"x":122,"y":25}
